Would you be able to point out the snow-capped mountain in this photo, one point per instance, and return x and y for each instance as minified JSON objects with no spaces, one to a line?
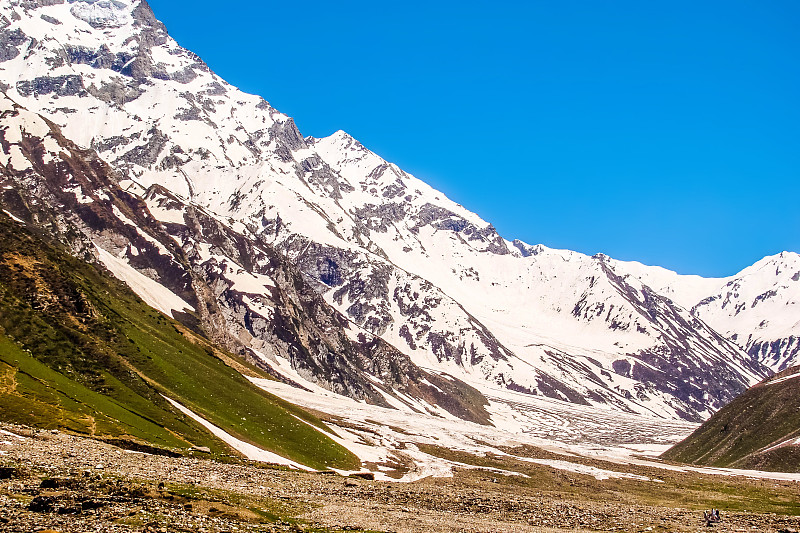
{"x":758,"y":308}
{"x":237,"y":291}
{"x":422,"y":297}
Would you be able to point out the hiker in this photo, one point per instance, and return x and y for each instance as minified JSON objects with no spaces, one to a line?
{"x":711,"y":517}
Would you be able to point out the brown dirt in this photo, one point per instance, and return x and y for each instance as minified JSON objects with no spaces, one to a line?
{"x":98,"y":487}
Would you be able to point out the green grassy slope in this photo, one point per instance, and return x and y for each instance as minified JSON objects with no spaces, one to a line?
{"x":746,"y":432}
{"x":80,"y":351}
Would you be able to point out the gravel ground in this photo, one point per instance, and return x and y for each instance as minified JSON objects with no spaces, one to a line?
{"x":63,"y":483}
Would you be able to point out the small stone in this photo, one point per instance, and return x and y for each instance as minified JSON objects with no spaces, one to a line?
{"x":42,"y":504}
{"x":99,"y":467}
{"x":91,"y":504}
{"x":54,"y":483}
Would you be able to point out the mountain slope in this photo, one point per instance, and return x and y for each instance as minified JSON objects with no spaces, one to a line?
{"x":758,"y":430}
{"x":219,"y":199}
{"x":758,"y":308}
{"x":238,"y":292}
{"x":81,"y":351}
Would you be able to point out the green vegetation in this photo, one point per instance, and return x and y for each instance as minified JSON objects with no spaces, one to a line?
{"x":748,"y":432}
{"x":80,"y":351}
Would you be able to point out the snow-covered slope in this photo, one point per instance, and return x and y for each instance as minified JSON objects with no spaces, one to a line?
{"x":222,"y":172}
{"x":758,"y":308}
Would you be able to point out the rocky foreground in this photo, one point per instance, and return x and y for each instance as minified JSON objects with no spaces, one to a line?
{"x":64,"y":483}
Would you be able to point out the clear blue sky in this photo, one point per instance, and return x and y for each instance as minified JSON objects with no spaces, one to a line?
{"x":661,"y":131}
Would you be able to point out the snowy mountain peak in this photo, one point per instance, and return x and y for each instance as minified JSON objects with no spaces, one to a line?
{"x":342,"y":136}
{"x":779,"y":265}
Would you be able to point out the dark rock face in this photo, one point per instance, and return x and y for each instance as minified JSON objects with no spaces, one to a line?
{"x":69,"y":85}
{"x":116,"y":92}
{"x":444,"y":219}
{"x":10,"y":40}
{"x":144,"y":16}
{"x":44,"y":3}
{"x":777,"y":351}
{"x":329,"y":273}
{"x":102,"y":58}
{"x":380,"y":217}
{"x":50,"y":19}
{"x":147,"y":154}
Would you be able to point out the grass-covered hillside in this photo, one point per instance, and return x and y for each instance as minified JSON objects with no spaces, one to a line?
{"x":80,"y":351}
{"x":758,"y":430}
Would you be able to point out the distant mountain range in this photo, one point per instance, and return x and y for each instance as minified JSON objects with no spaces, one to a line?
{"x":326,"y":266}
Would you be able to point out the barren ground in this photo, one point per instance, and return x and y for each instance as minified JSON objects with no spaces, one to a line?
{"x":65,"y":483}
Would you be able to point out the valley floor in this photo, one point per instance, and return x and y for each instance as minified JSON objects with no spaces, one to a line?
{"x":54,"y":481}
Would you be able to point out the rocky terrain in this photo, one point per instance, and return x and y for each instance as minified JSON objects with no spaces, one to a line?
{"x":57,"y":482}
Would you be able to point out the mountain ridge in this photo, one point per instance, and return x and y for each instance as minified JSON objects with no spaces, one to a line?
{"x":399,"y":262}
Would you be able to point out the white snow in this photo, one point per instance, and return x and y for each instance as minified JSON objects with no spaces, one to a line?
{"x":250,"y":451}
{"x":77,"y":190}
{"x":153,"y":293}
{"x":10,"y":434}
{"x":174,"y":216}
{"x":103,"y":13}
{"x":795,"y":441}
{"x":784,"y":378}
{"x":15,"y":219}
{"x":18,"y":160}
{"x":9,"y":441}
{"x":375,"y":434}
{"x":598,"y":473}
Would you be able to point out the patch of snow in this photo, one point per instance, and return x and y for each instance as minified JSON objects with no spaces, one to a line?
{"x":174,"y":216}
{"x":784,"y":378}
{"x":153,"y":293}
{"x":598,"y":473}
{"x":375,"y":433}
{"x":15,"y":219}
{"x":79,"y":195}
{"x":101,"y":13}
{"x":790,"y":442}
{"x":250,"y":451}
{"x":18,"y":160}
